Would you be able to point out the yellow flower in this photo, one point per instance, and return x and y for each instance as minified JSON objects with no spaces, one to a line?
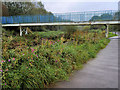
{"x":62,"y":39}
{"x":30,"y":64}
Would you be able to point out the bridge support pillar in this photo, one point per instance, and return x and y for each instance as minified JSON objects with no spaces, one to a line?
{"x":20,"y":31}
{"x":107,"y":31}
{"x":26,"y":32}
{"x":23,"y":30}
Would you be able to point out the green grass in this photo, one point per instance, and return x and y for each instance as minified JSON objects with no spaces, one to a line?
{"x":112,"y":34}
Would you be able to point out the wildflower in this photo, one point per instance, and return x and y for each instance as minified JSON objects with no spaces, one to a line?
{"x":26,"y":67}
{"x":1,"y":70}
{"x":62,"y":39}
{"x":9,"y":60}
{"x":6,"y":70}
{"x":55,"y":60}
{"x":23,"y":54}
{"x":58,"y":40}
{"x":33,"y":50}
{"x":13,"y":58}
{"x":37,"y":55}
{"x":50,"y":42}
{"x":3,"y":61}
{"x":5,"y":83}
{"x":30,"y":64}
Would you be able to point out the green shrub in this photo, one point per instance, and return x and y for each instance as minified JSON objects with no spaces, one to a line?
{"x":49,"y":34}
{"x":69,"y":30}
{"x":86,"y":28}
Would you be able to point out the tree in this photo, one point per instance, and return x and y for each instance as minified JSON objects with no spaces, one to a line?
{"x":117,"y":16}
{"x":106,"y":17}
{"x":94,"y":18}
{"x":25,"y":8}
{"x":102,"y":17}
{"x":18,"y":8}
{"x":4,"y":11}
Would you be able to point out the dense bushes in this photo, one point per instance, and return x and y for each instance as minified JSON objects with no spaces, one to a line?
{"x":49,"y":35}
{"x":52,"y":60}
{"x":32,"y":39}
{"x":69,"y":31}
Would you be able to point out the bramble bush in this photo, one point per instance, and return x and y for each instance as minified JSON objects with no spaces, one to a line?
{"x":25,"y":65}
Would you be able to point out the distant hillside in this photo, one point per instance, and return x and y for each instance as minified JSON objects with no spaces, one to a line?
{"x":102,"y":17}
{"x":106,"y":16}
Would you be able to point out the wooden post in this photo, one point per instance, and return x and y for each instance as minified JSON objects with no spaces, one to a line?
{"x":20,"y":31}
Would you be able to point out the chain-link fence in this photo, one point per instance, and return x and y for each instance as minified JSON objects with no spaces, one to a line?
{"x":62,"y":17}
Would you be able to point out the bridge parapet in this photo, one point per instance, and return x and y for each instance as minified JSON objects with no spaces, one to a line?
{"x":61,"y":17}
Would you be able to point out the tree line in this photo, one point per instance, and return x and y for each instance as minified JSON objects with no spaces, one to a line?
{"x":23,"y":8}
{"x":26,"y":8}
{"x":106,"y":16}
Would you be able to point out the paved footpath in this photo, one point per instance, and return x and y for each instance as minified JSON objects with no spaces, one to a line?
{"x":101,"y":72}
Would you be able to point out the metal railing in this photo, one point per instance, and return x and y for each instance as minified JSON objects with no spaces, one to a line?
{"x":61,"y":17}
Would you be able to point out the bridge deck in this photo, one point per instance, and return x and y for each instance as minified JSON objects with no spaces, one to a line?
{"x":65,"y":23}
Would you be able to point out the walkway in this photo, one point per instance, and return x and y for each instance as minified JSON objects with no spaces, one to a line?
{"x":101,"y":72}
{"x":65,"y":23}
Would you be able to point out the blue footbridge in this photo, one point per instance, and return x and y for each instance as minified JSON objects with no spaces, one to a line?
{"x":106,"y":17}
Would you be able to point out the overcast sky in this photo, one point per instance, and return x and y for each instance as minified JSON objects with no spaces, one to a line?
{"x":62,"y":6}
